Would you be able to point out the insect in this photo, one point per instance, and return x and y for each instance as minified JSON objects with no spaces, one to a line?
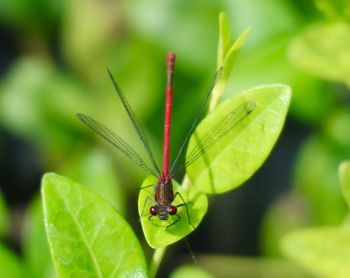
{"x":162,"y":204}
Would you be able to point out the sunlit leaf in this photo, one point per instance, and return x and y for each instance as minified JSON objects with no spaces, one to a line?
{"x":344,"y":175}
{"x":323,"y":50}
{"x":323,"y":251}
{"x":228,"y":52}
{"x":267,"y":64}
{"x":333,"y":9}
{"x":224,"y":37}
{"x":10,"y":266}
{"x":189,"y":271}
{"x":87,"y":237}
{"x":288,"y":213}
{"x":236,"y":157}
{"x":232,"y":53}
{"x":316,"y":178}
{"x":155,"y":230}
{"x":235,"y":266}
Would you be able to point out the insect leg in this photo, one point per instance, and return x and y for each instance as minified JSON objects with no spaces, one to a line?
{"x":177,"y":220}
{"x":146,"y":186}
{"x":144,"y":205}
{"x":184,"y":204}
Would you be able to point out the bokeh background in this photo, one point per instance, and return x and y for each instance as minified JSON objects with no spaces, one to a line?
{"x":53,"y":60}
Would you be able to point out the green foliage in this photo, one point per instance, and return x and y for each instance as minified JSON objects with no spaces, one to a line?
{"x":26,"y":15}
{"x":337,"y":131}
{"x":256,"y":115}
{"x":35,"y":247}
{"x":166,"y":24}
{"x":227,"y":55}
{"x":324,"y":251}
{"x":4,"y":218}
{"x":288,"y":213}
{"x":96,"y":170}
{"x":235,"y":266}
{"x":311,"y":101}
{"x":86,"y":235}
{"x":37,"y":102}
{"x":242,"y":151}
{"x":189,"y":271}
{"x":334,"y":9}
{"x":323,"y":50}
{"x":344,"y":175}
{"x":319,"y":181}
{"x":38,"y":98}
{"x":9,"y":264}
{"x":155,"y":230}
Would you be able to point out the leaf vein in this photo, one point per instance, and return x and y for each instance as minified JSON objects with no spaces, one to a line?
{"x":92,"y":255}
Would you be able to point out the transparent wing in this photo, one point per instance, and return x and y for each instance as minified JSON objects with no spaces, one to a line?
{"x":136,"y":125}
{"x":219,"y":131}
{"x":196,"y":119}
{"x":116,"y":141}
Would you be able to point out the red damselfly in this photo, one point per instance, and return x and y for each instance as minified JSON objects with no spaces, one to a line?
{"x":162,"y":205}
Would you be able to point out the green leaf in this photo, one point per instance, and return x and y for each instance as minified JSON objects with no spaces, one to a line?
{"x":316,"y":178}
{"x":35,"y":247}
{"x":45,"y":101}
{"x":87,"y":237}
{"x":155,"y":230}
{"x":257,"y":65}
{"x":323,"y":251}
{"x":232,"y":53}
{"x":234,"y":266}
{"x":26,"y":16}
{"x":224,"y":38}
{"x":344,"y":175}
{"x":227,"y":55}
{"x":189,"y":271}
{"x":323,"y":50}
{"x":4,"y":218}
{"x":10,"y":266}
{"x":235,"y":158}
{"x":336,"y":126}
{"x":288,"y":213}
{"x":333,"y":9}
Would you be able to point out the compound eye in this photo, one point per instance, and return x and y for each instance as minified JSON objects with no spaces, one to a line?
{"x":173,"y":210}
{"x":153,"y":210}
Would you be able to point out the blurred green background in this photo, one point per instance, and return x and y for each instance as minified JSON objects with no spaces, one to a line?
{"x":53,"y":60}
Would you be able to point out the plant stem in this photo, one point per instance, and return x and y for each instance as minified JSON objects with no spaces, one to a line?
{"x":156,"y":260}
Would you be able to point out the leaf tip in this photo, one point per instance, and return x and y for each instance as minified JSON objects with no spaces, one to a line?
{"x":222,"y":16}
{"x":47,"y":179}
{"x":344,"y":165}
{"x":288,"y":93}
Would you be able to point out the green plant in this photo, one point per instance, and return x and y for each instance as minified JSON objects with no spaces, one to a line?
{"x":316,"y":199}
{"x":87,"y":235}
{"x":324,"y":251}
